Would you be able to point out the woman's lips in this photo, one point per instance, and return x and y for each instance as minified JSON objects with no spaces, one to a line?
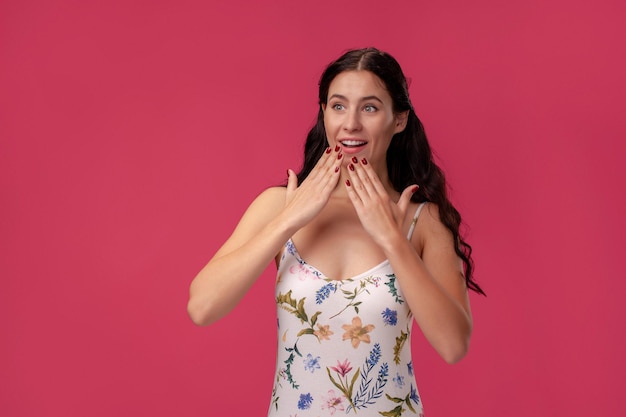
{"x":352,"y":146}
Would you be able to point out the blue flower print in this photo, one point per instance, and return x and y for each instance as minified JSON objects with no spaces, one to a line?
{"x":291,"y":248}
{"x":410,"y":368}
{"x":398,"y":380}
{"x":414,"y":396}
{"x":311,"y":363}
{"x":374,"y":355}
{"x":323,"y":293}
{"x":390,"y":317}
{"x":305,"y":401}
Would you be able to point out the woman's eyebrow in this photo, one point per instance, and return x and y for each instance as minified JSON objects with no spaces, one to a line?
{"x":341,"y":97}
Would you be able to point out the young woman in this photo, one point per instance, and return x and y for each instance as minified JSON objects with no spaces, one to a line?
{"x":365,"y":241}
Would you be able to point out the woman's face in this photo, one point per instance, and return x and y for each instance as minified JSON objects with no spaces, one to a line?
{"x":359,"y":117}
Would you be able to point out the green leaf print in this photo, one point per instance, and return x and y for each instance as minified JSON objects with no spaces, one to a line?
{"x":397,"y":411}
{"x":392,"y":288}
{"x":314,"y":318}
{"x":400,"y":341}
{"x":306,"y":331}
{"x":295,"y":307}
{"x":352,"y":295}
{"x":289,"y":361}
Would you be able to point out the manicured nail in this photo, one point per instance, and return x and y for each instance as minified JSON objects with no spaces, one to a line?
{"x":414,"y":190}
{"x":354,"y":159}
{"x":337,"y":148}
{"x":348,"y":183}
{"x":336,"y":169}
{"x":364,"y":161}
{"x":351,"y":167}
{"x":340,"y":155}
{"x":328,"y":150}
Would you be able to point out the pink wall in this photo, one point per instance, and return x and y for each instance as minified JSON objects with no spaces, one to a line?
{"x":133,"y":135}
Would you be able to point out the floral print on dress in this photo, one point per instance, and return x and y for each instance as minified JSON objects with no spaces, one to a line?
{"x":344,"y":345}
{"x":356,"y":332}
{"x":390,"y":317}
{"x":305,"y":401}
{"x":332,"y":402}
{"x":311,"y":363}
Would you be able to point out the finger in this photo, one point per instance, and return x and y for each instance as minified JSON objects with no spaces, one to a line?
{"x":405,"y":198}
{"x":356,"y":182}
{"x":353,"y":195}
{"x":362,"y":180}
{"x":292,"y":180}
{"x":327,"y":162}
{"x":372,"y":178}
{"x":316,"y":168}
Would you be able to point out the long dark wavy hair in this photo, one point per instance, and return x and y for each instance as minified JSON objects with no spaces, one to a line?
{"x":409,"y":157}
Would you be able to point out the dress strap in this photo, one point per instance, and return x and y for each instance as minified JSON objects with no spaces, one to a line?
{"x":414,"y":222}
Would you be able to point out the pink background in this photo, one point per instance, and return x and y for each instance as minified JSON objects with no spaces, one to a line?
{"x":134,"y":134}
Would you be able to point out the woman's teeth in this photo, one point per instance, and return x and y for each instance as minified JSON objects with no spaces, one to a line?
{"x":352,"y":143}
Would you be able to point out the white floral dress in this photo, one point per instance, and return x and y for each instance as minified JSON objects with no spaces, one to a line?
{"x":344,"y":346}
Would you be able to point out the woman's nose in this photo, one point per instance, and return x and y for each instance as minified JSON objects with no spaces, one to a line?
{"x":352,"y":121}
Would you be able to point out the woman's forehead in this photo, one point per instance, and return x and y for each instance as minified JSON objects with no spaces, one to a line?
{"x":357,"y":83}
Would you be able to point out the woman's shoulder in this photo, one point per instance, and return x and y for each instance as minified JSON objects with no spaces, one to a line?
{"x":263,"y":209}
{"x":429,"y":226}
{"x":272,"y":195}
{"x":427,"y":215}
{"x":269,"y":201}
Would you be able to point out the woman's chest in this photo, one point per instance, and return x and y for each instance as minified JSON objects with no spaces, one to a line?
{"x":337,"y":246}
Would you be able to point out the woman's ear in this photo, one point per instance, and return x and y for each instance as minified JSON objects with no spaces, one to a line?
{"x":323,"y":105}
{"x":401,"y":119}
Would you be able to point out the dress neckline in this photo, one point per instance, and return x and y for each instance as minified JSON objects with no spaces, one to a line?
{"x":322,"y":275}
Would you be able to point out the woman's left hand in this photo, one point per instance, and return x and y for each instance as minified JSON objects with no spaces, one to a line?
{"x":379,"y":214}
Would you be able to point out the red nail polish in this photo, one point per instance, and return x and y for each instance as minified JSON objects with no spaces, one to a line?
{"x":337,"y":148}
{"x":348,"y":183}
{"x":328,"y":149}
{"x":351,"y":167}
{"x":354,"y":159}
{"x":364,"y":161}
{"x":336,"y":169}
{"x":415,"y":189}
{"x":340,"y":155}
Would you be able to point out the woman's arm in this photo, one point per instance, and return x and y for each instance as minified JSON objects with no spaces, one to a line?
{"x":269,"y":222}
{"x":433,"y":283}
{"x":256,"y":240}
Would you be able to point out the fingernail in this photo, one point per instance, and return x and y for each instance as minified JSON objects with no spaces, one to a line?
{"x":348,"y":183}
{"x":351,"y":167}
{"x":354,"y":159}
{"x":337,"y":148}
{"x":328,"y":149}
{"x":364,"y":161}
{"x":336,"y":169}
{"x":415,"y":189}
{"x":340,"y":155}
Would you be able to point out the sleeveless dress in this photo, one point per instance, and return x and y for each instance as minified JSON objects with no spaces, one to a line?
{"x":344,"y":346}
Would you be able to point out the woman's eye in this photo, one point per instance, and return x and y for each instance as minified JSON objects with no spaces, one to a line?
{"x":338,"y":106}
{"x":369,"y":108}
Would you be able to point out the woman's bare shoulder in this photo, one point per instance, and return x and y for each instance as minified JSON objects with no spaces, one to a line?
{"x":263,"y":209}
{"x":273,"y":197}
{"x":265,"y":206}
{"x":429,"y":226}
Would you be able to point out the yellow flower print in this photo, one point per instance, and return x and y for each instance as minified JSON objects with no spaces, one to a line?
{"x":356,"y":332}
{"x":323,"y":332}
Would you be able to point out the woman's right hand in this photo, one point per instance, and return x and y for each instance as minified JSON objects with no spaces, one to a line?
{"x":304,"y":202}
{"x":271,"y":219}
